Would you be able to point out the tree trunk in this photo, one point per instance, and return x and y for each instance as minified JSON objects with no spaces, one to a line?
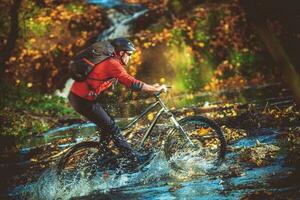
{"x":6,"y":52}
{"x":290,"y":75}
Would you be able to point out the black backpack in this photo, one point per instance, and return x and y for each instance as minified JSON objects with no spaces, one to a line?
{"x":85,"y":61}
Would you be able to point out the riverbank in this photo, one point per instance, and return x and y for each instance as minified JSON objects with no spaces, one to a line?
{"x":48,"y":36}
{"x":208,"y":52}
{"x":27,"y":113}
{"x":192,"y":56}
{"x":262,"y":141}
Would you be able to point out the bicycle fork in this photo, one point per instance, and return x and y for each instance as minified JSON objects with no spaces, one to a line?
{"x":175,"y":122}
{"x":165,"y":110}
{"x":183,"y":133}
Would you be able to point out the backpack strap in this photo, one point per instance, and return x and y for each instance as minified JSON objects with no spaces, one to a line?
{"x":93,"y":90}
{"x":93,"y":65}
{"x":88,"y":62}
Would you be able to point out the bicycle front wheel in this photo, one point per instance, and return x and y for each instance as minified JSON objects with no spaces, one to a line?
{"x":206,"y":142}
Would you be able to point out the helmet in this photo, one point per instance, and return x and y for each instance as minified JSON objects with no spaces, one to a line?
{"x":122,"y":44}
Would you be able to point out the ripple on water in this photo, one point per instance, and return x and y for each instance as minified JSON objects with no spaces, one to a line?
{"x":201,"y":180}
{"x":157,"y":172}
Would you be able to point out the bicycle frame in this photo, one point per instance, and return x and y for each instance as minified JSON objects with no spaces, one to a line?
{"x":163,"y":110}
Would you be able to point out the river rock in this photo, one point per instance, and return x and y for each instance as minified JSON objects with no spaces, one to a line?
{"x":259,"y":155}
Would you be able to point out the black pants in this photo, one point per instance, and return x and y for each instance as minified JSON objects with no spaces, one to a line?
{"x":94,"y":112}
{"x":109,"y":131}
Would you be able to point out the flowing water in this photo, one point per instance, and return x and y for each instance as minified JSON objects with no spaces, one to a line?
{"x":202,"y":180}
{"x":120,"y":26}
{"x":269,"y":93}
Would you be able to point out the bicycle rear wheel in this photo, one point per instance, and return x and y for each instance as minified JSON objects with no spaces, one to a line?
{"x":81,"y":161}
{"x":85,"y":160}
{"x":208,"y":139}
{"x":81,"y":158}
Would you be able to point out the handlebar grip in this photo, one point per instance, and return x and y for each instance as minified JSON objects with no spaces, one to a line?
{"x":158,"y":93}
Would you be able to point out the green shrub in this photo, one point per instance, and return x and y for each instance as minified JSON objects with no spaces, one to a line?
{"x":79,"y":9}
{"x":38,"y":29}
{"x":24,"y":112}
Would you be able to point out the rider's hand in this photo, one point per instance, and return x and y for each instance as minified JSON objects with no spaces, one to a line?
{"x":162,"y":88}
{"x":154,"y":88}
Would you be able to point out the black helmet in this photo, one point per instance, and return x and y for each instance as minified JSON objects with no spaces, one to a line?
{"x":122,"y":44}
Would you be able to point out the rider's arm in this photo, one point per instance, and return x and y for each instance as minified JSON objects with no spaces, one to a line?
{"x":118,"y":71}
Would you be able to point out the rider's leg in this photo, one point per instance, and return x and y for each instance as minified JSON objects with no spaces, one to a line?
{"x":127,"y":149}
{"x":95,"y":113}
{"x":112,"y":131}
{"x":85,"y":107}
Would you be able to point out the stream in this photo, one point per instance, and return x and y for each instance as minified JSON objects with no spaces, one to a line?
{"x":204,"y":180}
{"x":158,"y":181}
{"x":231,"y":180}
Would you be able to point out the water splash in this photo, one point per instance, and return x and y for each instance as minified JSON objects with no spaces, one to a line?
{"x":156,"y":181}
{"x":49,"y":187}
{"x":106,"y":3}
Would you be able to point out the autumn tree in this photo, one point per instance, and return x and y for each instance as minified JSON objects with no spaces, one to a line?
{"x":8,"y":38}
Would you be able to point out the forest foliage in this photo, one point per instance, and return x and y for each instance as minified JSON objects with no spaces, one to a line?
{"x":191,"y":45}
{"x":50,"y":33}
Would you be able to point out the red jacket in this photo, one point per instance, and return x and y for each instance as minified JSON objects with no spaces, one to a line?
{"x":106,"y":71}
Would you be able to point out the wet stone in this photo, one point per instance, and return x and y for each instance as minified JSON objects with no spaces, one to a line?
{"x":259,"y":155}
{"x":175,"y":187}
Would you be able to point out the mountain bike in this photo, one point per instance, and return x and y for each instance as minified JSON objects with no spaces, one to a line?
{"x":192,"y":136}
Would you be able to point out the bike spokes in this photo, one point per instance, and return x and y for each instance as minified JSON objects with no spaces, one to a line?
{"x":207,"y":142}
{"x":82,"y":163}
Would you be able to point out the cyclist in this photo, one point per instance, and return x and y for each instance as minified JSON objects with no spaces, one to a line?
{"x":82,"y":96}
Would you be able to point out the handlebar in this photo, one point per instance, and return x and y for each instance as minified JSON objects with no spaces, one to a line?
{"x":158,"y":93}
